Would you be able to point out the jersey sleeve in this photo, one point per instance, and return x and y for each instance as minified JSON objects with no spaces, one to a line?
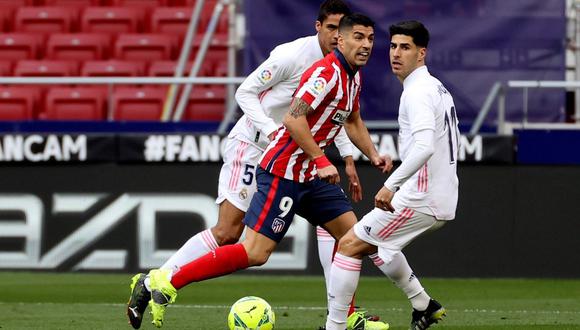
{"x":316,"y":83}
{"x":275,"y":69}
{"x":421,"y":110}
{"x":343,"y":144}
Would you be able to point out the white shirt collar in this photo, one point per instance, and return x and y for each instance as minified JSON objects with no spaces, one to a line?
{"x":417,"y":74}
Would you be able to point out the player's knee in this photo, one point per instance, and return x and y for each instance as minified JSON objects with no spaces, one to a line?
{"x":227,"y":235}
{"x":258,"y":258}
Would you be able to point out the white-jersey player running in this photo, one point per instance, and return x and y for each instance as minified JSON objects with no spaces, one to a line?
{"x":420,"y":196}
{"x":265,"y":97}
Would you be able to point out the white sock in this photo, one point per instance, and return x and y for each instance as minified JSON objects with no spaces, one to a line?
{"x":399,"y":271}
{"x":199,"y":245}
{"x":326,"y":245}
{"x":344,"y":276}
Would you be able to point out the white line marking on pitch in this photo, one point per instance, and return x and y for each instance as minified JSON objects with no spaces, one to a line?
{"x":311,"y":308}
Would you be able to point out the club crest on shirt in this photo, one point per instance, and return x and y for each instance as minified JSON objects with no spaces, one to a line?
{"x":340,"y":117}
{"x":243,"y":193}
{"x":317,"y":86}
{"x":278,"y":225}
{"x":265,"y":76}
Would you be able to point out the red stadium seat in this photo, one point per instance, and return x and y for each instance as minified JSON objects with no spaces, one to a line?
{"x":145,"y":47}
{"x":78,"y":46}
{"x":17,"y":103}
{"x":45,"y":19}
{"x":112,"y":20}
{"x":173,"y":20}
{"x":70,"y":3}
{"x":113,"y":68}
{"x":18,"y":46}
{"x":83,"y":103}
{"x":45,"y":68}
{"x":139,"y":3}
{"x":134,"y":104}
{"x":5,"y":68}
{"x":167,"y":69}
{"x":207,"y":103}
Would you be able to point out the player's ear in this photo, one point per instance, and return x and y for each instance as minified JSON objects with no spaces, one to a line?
{"x":318,"y":26}
{"x":422,"y":54}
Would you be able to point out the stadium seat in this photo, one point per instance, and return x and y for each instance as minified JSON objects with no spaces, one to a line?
{"x":167,"y":69}
{"x":112,"y":20}
{"x":207,"y":103}
{"x":173,"y":20}
{"x":138,"y":104}
{"x":45,"y":68}
{"x":17,"y":103}
{"x":81,"y":4}
{"x":145,"y":47}
{"x":45,"y":19}
{"x":139,"y":3}
{"x":113,"y":68}
{"x":5,"y":68}
{"x":78,"y":46}
{"x":19,"y":46}
{"x":83,"y":103}
{"x":5,"y":22}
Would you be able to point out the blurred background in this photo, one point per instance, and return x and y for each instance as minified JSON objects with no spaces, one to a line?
{"x":113,"y":114}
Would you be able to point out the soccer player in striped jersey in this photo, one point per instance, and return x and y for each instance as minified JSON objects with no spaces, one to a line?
{"x":421,"y":194}
{"x":295,"y":177}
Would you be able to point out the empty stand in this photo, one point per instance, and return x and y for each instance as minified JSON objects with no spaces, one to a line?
{"x":167,"y":69}
{"x":16,"y":3}
{"x":45,"y":19}
{"x":45,"y":68}
{"x":206,"y":104}
{"x":83,"y":103}
{"x":139,"y":3}
{"x":138,"y":104}
{"x":145,"y":47}
{"x":78,"y":46}
{"x":17,"y":103}
{"x":113,"y":68}
{"x":18,"y":46}
{"x":112,"y":20}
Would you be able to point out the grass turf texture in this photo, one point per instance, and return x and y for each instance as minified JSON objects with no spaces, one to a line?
{"x":96,"y":301}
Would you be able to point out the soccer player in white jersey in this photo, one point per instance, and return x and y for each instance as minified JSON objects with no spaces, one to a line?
{"x":265,"y":98}
{"x":418,"y":197}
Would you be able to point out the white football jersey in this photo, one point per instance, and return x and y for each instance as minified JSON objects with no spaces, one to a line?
{"x":426,"y":104}
{"x":266,"y":94}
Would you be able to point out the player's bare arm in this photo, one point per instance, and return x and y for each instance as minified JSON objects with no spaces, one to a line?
{"x":359,"y":135}
{"x":297,"y":125}
{"x":354,"y":186}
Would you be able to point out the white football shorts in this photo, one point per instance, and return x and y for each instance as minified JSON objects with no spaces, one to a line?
{"x":391,"y":232}
{"x":237,"y":181}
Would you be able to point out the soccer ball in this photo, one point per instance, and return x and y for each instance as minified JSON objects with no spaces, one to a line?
{"x":251,"y":313}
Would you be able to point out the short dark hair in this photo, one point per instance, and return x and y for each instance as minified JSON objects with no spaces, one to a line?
{"x":332,"y":7}
{"x":414,"y":29}
{"x":348,"y":21}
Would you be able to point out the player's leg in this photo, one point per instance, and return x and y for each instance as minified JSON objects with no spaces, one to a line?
{"x":391,"y":232}
{"x":268,"y":219}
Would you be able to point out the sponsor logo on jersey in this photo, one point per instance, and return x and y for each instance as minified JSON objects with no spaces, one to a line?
{"x":278,"y":225}
{"x":265,"y":76}
{"x":340,"y":117}
{"x":317,"y":86}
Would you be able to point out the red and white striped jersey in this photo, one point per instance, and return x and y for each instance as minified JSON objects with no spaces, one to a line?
{"x":332,"y":89}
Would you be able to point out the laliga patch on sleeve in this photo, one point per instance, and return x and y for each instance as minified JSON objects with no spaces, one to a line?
{"x":317,"y":86}
{"x":265,"y":76}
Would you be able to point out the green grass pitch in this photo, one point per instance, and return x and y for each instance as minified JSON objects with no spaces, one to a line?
{"x":96,"y":301}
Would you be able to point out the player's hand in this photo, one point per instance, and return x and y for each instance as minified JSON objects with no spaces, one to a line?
{"x":384,"y":163}
{"x":354,"y":186}
{"x":383,"y":199}
{"x":329,"y":174}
